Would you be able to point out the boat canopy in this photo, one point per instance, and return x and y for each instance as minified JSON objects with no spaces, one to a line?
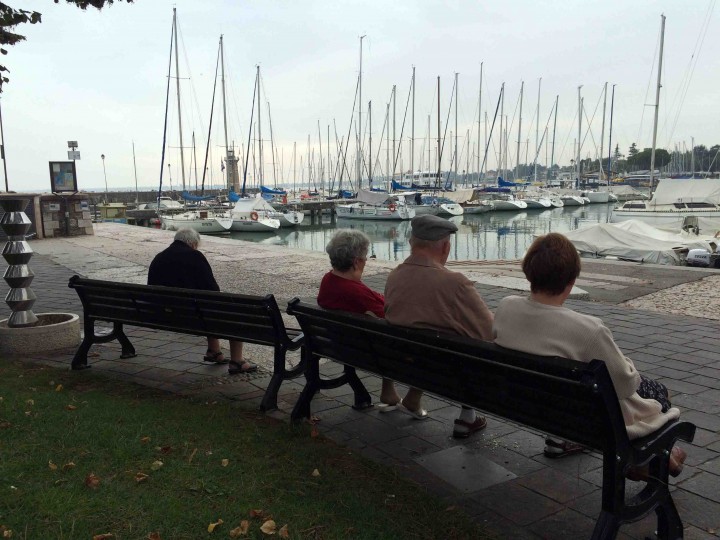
{"x":670,"y":190}
{"x":189,"y":197}
{"x":506,"y":183}
{"x":397,"y":186}
{"x":264,"y":189}
{"x":372,"y":197}
{"x":458,"y":196}
{"x":250,"y":204}
{"x":635,"y":240}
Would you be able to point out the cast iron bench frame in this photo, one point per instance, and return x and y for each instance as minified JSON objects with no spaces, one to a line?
{"x":247,"y":318}
{"x":569,"y":399}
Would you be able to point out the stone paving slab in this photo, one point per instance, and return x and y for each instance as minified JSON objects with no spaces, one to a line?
{"x":546,"y":499}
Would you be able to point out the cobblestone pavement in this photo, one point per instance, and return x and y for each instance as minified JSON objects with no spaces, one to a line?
{"x":499,"y":476}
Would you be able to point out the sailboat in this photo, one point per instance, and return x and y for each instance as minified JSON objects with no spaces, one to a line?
{"x":203,"y":220}
{"x":674,"y":200}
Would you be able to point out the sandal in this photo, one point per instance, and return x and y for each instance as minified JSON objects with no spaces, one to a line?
{"x":558,"y":448}
{"x":214,"y":357}
{"x":237,"y":368}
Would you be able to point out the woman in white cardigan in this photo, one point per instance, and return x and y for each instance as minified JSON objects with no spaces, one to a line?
{"x":541,"y":325}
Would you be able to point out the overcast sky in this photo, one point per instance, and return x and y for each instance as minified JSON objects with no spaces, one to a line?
{"x":99,"y":77}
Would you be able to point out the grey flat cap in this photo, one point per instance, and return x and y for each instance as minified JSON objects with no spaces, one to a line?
{"x":432,"y":227}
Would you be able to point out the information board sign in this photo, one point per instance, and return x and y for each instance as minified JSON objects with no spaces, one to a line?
{"x":63,"y":178}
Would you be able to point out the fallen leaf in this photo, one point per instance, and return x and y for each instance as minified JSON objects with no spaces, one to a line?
{"x":92,"y":481}
{"x":268,"y":527}
{"x":93,"y":354}
{"x":241,"y":530}
{"x":156,"y":465}
{"x":5,"y":425}
{"x":166,"y":450}
{"x":283,"y":532}
{"x":144,"y":440}
{"x":28,"y":413}
{"x":59,"y":388}
{"x":256,"y":513}
{"x":70,"y":407}
{"x":153,"y":536}
{"x":30,"y":402}
{"x":141,"y":477}
{"x":316,"y":473}
{"x":225,"y":462}
{"x":6,"y":533}
{"x":52,"y":466}
{"x":314,"y":432}
{"x":68,"y":466}
{"x":105,"y":536}
{"x":212,"y":526}
{"x":192,"y":455}
{"x":61,"y":481}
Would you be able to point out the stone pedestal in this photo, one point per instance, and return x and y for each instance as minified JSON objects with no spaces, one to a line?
{"x":66,"y":215}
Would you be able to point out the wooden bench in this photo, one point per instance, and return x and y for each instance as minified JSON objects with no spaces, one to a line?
{"x":250,"y":319}
{"x":569,"y":399}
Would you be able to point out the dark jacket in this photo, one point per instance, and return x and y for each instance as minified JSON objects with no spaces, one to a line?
{"x":182,"y":266}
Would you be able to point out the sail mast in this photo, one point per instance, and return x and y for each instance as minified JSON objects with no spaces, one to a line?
{"x":259,"y":127}
{"x":412,"y":133}
{"x":479,"y":119}
{"x":552,"y":152}
{"x":177,"y":81}
{"x":602,"y":136}
{"x":228,"y":162}
{"x":439,"y":156}
{"x":537,"y":131}
{"x":657,"y":104}
{"x":456,"y":126}
{"x":612,"y":106}
{"x":517,"y":163}
{"x":358,"y":157}
{"x":370,"y":160}
{"x":502,"y":115}
{"x":577,"y":178}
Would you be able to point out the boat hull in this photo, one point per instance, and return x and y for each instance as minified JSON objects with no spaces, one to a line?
{"x":663,"y":218}
{"x":246,"y":224}
{"x":450,"y":209}
{"x":207,"y":225}
{"x":572,"y":200}
{"x":355,"y":211}
{"x":508,"y":206}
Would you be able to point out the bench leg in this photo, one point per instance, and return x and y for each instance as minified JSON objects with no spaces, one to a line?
{"x":607,"y":527}
{"x":128,"y":351}
{"x":362,"y":397}
{"x":79,"y":361}
{"x":269,"y":400}
{"x":669,"y":523}
{"x":312,"y":385}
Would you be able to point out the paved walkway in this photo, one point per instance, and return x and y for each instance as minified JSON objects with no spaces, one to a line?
{"x":499,"y":476}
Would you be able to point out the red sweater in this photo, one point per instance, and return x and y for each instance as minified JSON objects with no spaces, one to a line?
{"x":348,"y":295}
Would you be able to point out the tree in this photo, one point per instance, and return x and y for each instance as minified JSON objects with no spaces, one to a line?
{"x":633,"y":151}
{"x":11,"y":17}
{"x":641,"y":160}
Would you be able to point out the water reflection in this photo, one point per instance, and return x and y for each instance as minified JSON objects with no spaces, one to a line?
{"x":490,"y":236}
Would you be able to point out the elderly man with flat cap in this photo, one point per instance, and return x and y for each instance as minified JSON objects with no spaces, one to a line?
{"x":422,"y":293}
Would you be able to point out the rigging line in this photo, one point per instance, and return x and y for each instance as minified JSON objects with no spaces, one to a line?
{"x":212,"y":108}
{"x":647,"y":90}
{"x":567,"y":137}
{"x":547,"y":124}
{"x":590,"y":121}
{"x":167,"y":102}
{"x":197,"y":109}
{"x":497,"y":108}
{"x":247,"y":153}
{"x":402,"y":130}
{"x":385,"y":123}
{"x":692,"y":67}
{"x":447,"y":123}
{"x":347,"y":140}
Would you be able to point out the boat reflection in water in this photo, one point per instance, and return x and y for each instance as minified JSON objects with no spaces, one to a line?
{"x":490,"y":236}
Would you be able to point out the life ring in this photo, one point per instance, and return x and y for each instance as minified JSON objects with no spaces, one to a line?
{"x":254,"y":216}
{"x":435,"y":203}
{"x":392,"y":207}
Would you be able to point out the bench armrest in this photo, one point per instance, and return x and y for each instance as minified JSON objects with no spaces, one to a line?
{"x":663,"y":439}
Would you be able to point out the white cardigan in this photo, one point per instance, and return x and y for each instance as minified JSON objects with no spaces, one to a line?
{"x":525,"y":325}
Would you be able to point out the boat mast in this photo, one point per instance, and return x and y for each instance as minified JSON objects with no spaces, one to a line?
{"x":295,"y":168}
{"x":517,"y":163}
{"x":259,"y":127}
{"x":456,"y":126}
{"x":177,"y":81}
{"x":692,"y":157}
{"x":602,"y":136}
{"x":479,"y":118}
{"x":229,"y":162}
{"x":358,"y":157}
{"x":577,"y":164}
{"x":394,"y":100}
{"x":537,"y":131}
{"x":412,"y":132}
{"x":612,"y":106}
{"x":272,"y":147}
{"x":370,"y":161}
{"x":194,"y":159}
{"x":439,"y":156}
{"x":137,"y":200}
{"x":502,"y":116}
{"x":552,"y":152}
{"x":657,"y":105}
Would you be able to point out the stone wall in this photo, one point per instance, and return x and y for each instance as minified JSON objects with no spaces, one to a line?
{"x":67,"y":215}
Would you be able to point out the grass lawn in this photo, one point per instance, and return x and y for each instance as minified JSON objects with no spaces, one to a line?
{"x":82,"y":455}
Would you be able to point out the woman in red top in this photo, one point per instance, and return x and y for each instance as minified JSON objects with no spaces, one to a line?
{"x":342,"y":287}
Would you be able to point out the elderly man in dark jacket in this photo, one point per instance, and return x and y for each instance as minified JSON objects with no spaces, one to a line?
{"x":182,"y":265}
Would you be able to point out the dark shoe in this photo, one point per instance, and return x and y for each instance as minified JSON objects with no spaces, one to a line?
{"x":237,"y":368}
{"x":215,"y":357}
{"x":677,"y":459}
{"x":464,"y":429}
{"x":559,"y":449}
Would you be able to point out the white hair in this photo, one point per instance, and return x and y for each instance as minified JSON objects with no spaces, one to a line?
{"x":190,"y":236}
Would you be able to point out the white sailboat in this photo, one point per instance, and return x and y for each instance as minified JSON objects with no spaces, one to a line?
{"x":674,"y":200}
{"x":376,"y":206}
{"x":205,"y":221}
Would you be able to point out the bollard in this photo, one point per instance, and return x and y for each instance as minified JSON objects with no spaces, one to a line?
{"x":17,"y":252}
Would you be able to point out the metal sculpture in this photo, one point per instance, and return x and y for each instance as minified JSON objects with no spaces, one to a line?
{"x":17,"y":252}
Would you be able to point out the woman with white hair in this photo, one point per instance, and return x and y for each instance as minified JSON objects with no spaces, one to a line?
{"x":182,"y":265}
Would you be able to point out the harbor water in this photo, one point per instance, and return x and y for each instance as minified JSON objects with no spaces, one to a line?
{"x":491,"y":236}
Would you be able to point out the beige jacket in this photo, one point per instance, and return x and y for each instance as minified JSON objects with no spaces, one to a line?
{"x":525,"y":325}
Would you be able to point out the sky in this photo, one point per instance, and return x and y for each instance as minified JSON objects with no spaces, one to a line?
{"x":100,"y":78}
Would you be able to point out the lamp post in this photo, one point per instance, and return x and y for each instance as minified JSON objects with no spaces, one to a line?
{"x":102,"y":156}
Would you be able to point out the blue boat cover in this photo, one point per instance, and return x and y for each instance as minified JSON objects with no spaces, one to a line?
{"x":188,"y":197}
{"x":232,"y":196}
{"x":505,"y":183}
{"x":399,"y":187}
{"x":264,"y":189}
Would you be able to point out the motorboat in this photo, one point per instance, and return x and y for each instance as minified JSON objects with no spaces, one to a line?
{"x":596,"y":197}
{"x":203,"y":221}
{"x":376,"y":206}
{"x":254,"y":214}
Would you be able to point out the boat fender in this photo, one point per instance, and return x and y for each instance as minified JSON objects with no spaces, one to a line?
{"x":392,"y":207}
{"x":435,"y":203}
{"x":254,"y":216}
